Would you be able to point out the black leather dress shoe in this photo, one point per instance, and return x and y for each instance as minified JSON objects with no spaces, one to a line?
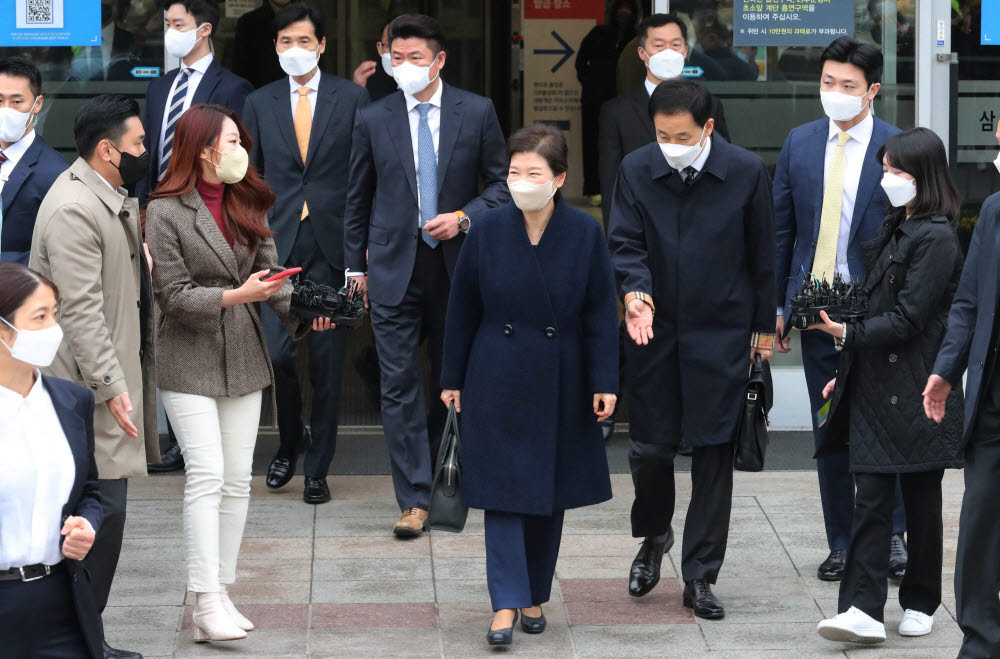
{"x":316,"y":490}
{"x":502,"y":636}
{"x":279,"y":472}
{"x":533,"y":625}
{"x":832,"y":569}
{"x":898,"y":557}
{"x":170,"y":460}
{"x":698,"y":596}
{"x":112,"y":653}
{"x":645,"y":571}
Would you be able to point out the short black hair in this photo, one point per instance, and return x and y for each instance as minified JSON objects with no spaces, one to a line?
{"x":865,"y":56}
{"x":204,"y":11}
{"x":19,"y":67}
{"x":103,"y":117}
{"x":659,"y":20}
{"x":382,"y":29}
{"x":920,"y":153}
{"x":295,"y":12}
{"x":418,"y":26}
{"x":680,"y":95}
{"x":545,"y":140}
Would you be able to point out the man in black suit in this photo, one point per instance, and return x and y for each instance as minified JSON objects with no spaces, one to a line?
{"x":199,"y":79}
{"x":28,"y":166}
{"x":416,"y":164}
{"x":625,"y":124}
{"x":374,"y":76}
{"x":301,"y":130}
{"x":253,"y":55}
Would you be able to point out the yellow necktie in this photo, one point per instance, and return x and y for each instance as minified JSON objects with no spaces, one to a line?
{"x":303,"y":127}
{"x":825,"y":261}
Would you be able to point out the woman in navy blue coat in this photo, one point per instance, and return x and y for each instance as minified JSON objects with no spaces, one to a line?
{"x":50,"y":507}
{"x":531,"y":361}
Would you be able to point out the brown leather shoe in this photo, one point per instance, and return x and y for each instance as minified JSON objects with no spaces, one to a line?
{"x":411,"y":524}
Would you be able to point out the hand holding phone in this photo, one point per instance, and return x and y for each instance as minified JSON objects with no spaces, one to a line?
{"x":281,"y":275}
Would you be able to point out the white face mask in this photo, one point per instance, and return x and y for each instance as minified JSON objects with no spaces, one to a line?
{"x":666,"y":64}
{"x":14,"y":124}
{"x":387,"y":64}
{"x":298,"y":61}
{"x":996,"y":163}
{"x":35,"y":347}
{"x":680,"y":156}
{"x":531,"y":196}
{"x":412,"y":79}
{"x":180,"y":44}
{"x":899,"y":190}
{"x":842,"y":107}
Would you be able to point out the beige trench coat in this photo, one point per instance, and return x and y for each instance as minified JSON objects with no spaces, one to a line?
{"x":88,"y":242}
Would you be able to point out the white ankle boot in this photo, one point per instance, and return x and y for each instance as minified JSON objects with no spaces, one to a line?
{"x":240,"y":620}
{"x":211,"y":622}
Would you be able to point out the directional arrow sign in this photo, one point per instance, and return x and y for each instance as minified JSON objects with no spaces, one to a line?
{"x":692,"y":72}
{"x":566,"y":51}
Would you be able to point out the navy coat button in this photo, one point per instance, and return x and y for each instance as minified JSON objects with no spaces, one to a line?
{"x":892,"y":359}
{"x":508,"y":330}
{"x":893,"y":400}
{"x":550,"y":333}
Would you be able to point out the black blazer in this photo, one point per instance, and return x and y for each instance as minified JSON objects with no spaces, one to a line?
{"x":624,"y":127}
{"x":23,"y":192}
{"x":74,"y":406}
{"x":218,"y":87}
{"x":382,"y":211}
{"x":322,"y":181}
{"x":972,"y":319}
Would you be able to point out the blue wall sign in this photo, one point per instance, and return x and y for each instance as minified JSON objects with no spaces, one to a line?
{"x":50,"y":23}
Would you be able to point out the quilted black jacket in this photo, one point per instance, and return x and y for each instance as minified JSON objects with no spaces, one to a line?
{"x":913,"y":271}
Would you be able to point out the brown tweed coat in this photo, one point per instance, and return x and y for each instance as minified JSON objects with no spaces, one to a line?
{"x":204,"y":349}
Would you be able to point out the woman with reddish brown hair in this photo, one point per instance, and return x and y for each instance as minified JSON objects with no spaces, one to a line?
{"x":211,"y":248}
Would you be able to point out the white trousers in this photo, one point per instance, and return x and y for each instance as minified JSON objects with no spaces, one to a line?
{"x":217,"y":437}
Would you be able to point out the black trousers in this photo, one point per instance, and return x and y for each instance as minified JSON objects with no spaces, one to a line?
{"x":865,"y":582}
{"x":102,"y":560}
{"x":413,"y":424}
{"x":590,"y":113}
{"x":977,"y":562}
{"x":326,"y":366}
{"x":38,"y":620}
{"x":706,"y":527}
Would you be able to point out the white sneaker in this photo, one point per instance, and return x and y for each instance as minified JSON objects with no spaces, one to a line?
{"x":915,"y":623}
{"x":852,"y":626}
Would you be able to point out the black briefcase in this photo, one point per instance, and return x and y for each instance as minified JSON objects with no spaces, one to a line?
{"x":447,"y":512}
{"x":751,"y":433}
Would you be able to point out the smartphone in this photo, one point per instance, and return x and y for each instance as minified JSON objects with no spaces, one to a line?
{"x":283,"y":274}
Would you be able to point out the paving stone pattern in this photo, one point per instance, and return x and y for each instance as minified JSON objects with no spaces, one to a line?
{"x":331,"y":581}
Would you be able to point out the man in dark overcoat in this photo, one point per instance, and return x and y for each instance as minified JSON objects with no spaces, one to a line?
{"x":971,"y":343}
{"x":691,"y":235}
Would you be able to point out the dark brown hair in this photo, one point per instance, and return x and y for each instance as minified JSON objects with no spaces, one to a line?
{"x":17,"y":284}
{"x":244,"y":204}
{"x":920,"y":153}
{"x":547,"y":141}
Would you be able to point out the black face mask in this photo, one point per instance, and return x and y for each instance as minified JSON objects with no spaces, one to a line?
{"x":132,"y":168}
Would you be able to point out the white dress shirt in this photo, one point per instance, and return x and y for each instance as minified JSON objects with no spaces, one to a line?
{"x":313,"y":85}
{"x":854,"y":158}
{"x":649,"y":86}
{"x":197,"y":72}
{"x":699,"y":164}
{"x":14,"y":154}
{"x":33,"y":494}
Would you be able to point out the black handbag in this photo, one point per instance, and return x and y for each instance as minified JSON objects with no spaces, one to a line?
{"x":751,"y":433}
{"x":447,"y":512}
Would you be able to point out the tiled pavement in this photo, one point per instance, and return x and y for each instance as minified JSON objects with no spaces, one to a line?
{"x":330,"y":581}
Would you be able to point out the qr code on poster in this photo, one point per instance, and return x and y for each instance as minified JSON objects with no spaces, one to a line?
{"x":46,"y":14}
{"x":40,"y":11}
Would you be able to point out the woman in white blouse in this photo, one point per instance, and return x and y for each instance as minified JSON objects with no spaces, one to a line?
{"x":50,"y":508}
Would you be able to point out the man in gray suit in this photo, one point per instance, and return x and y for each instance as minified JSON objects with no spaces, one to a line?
{"x":417,"y":161}
{"x":301,"y":130}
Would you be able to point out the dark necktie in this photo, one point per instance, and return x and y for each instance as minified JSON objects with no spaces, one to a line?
{"x":689,"y":175}
{"x":174,"y":112}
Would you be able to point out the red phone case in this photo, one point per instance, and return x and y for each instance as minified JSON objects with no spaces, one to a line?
{"x":283,"y":274}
